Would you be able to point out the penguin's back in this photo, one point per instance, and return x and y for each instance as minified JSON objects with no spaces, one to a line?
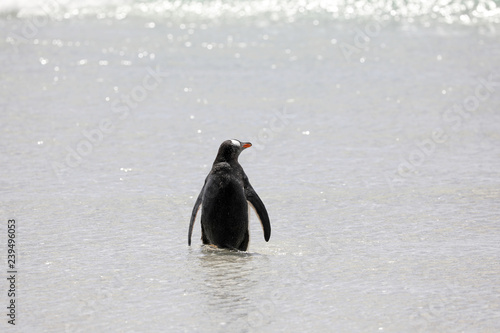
{"x":224,"y":214}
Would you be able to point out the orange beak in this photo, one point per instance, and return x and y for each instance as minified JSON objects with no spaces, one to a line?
{"x":247,"y":145}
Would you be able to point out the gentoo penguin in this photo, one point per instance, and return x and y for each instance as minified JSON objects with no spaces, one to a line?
{"x":223,"y":198}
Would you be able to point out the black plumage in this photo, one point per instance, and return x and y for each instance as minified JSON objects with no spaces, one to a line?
{"x":223,"y":200}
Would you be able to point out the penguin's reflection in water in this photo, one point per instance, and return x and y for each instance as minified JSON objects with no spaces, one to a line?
{"x":228,"y":281}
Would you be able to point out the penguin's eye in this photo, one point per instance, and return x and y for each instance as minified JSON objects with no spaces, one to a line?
{"x":236,"y":143}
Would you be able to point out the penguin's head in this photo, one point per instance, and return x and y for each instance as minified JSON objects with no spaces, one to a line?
{"x":229,"y":150}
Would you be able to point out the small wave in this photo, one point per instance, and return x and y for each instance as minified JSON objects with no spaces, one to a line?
{"x":449,"y":11}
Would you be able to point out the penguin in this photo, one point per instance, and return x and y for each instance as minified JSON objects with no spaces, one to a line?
{"x":224,"y":202}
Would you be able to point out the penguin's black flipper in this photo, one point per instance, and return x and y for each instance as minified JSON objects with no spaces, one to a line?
{"x":193,"y":215}
{"x":260,"y":209}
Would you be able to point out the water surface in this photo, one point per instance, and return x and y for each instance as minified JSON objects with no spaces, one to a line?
{"x":375,"y":149}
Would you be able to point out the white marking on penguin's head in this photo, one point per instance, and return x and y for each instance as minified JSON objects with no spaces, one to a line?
{"x":236,"y":143}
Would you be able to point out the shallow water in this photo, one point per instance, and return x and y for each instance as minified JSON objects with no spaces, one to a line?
{"x":377,"y":158}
